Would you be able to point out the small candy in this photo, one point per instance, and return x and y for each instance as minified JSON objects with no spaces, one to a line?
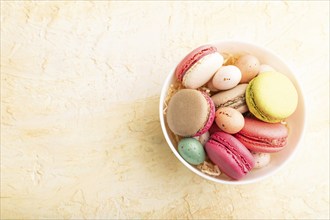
{"x":226,"y":77}
{"x":191,"y":151}
{"x":249,"y":66}
{"x":261,"y":159}
{"x":229,"y":120}
{"x":203,"y":138}
{"x":265,"y":68}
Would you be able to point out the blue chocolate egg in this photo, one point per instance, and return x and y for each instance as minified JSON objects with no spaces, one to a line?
{"x":191,"y":150}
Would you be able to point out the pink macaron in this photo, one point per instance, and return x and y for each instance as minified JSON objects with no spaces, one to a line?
{"x":230,"y":155}
{"x":260,"y":136}
{"x":199,"y":66}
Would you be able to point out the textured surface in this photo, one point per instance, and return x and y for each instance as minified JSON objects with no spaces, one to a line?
{"x":80,"y":134}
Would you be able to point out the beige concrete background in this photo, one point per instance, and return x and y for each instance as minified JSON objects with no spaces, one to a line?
{"x":80,"y":134}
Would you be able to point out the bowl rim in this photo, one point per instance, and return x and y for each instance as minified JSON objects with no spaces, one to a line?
{"x":231,"y":182}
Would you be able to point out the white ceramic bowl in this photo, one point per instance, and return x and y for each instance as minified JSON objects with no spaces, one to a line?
{"x":296,"y":121}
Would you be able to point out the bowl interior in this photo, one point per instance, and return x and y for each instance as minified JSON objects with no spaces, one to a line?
{"x":296,"y":121}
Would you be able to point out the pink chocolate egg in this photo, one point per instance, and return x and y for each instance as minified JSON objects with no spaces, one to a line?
{"x":229,"y":120}
{"x":249,"y":66}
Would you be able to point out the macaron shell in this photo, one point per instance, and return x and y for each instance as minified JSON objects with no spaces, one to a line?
{"x":230,"y":155}
{"x":271,"y":97}
{"x":192,"y":58}
{"x":187,"y":112}
{"x":211,"y":116}
{"x":202,"y":71}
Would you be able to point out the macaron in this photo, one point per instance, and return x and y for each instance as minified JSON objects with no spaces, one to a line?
{"x":229,"y":120}
{"x":191,"y":151}
{"x":234,"y":98}
{"x":199,"y":66}
{"x":259,"y":136}
{"x":249,"y":66}
{"x":271,"y":97}
{"x":230,"y":155}
{"x":190,"y":113}
{"x":226,"y":77}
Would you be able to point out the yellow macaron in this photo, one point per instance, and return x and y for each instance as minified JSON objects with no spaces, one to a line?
{"x":271,"y":97}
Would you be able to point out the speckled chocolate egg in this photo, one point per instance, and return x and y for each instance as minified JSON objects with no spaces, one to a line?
{"x":229,"y":120}
{"x":249,"y":66}
{"x":265,"y":68}
{"x":261,"y":159}
{"x":191,"y":150}
{"x":226,"y":77}
{"x":203,"y":138}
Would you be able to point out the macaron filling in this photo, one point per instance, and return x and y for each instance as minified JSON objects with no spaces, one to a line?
{"x":279,"y":142}
{"x":234,"y":98}
{"x":187,"y":63}
{"x":235,"y":103}
{"x":210,"y":117}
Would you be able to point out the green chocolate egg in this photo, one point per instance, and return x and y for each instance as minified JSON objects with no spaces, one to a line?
{"x":191,"y":150}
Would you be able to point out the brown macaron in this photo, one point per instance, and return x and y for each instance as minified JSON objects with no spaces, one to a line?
{"x":190,"y":113}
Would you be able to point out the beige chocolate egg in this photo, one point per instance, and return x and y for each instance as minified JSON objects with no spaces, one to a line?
{"x":229,"y":120}
{"x":249,"y":66}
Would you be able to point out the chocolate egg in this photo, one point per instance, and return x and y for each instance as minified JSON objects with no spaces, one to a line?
{"x":265,"y":68}
{"x":191,"y":150}
{"x":226,"y":77}
{"x":203,"y":138}
{"x":261,"y":159}
{"x":249,"y":66}
{"x":229,"y":120}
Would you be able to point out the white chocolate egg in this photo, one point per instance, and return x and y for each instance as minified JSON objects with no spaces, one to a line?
{"x":226,"y":77}
{"x":261,"y":159}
